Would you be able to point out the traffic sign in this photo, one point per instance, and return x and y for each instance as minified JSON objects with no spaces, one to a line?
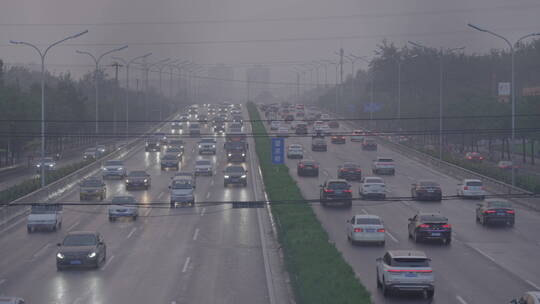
{"x":372,"y":107}
{"x":278,"y":151}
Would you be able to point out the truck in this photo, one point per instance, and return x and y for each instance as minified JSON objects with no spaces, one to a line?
{"x":44,"y":216}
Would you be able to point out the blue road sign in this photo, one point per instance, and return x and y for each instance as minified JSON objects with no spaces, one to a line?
{"x":372,"y":107}
{"x":278,"y":151}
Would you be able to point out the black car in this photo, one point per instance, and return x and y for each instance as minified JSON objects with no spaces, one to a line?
{"x":338,"y":139}
{"x":301,"y":129}
{"x":495,"y":211}
{"x":178,"y":143}
{"x":318,"y":144}
{"x":369,"y":144}
{"x":426,"y":190}
{"x":349,"y":171}
{"x":138,"y":179}
{"x":336,"y":192}
{"x":235,"y":175}
{"x":334,"y":124}
{"x":430,"y":226}
{"x":81,"y":249}
{"x":307,"y":168}
{"x":170,"y":161}
{"x":219,"y":129}
{"x":152,"y":145}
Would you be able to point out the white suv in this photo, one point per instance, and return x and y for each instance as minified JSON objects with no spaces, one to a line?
{"x":274,"y":125}
{"x":372,"y":186}
{"x":471,"y":188}
{"x":405,"y":270}
{"x":295,"y":151}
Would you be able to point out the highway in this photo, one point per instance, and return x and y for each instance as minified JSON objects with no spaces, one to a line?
{"x":204,"y":254}
{"x":482,"y":265}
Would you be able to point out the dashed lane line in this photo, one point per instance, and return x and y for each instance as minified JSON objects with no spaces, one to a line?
{"x":483,"y":253}
{"x":73,"y":226}
{"x":203,"y":210}
{"x":196,"y":234}
{"x":391,"y":236}
{"x":532,"y":284}
{"x":186,"y":264}
{"x":108,"y":262}
{"x":131,"y":232}
{"x":461,"y":300}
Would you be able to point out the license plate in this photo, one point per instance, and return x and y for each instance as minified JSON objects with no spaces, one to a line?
{"x":431,"y":191}
{"x":75,"y":262}
{"x":370,"y":230}
{"x":500,"y":214}
{"x":338,"y":192}
{"x":435,"y":234}
{"x":411,"y":275}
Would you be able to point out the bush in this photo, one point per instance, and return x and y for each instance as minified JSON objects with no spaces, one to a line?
{"x":318,"y":272}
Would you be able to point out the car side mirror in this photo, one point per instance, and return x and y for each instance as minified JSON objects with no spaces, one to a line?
{"x":58,"y":244}
{"x":100,"y":243}
{"x":459,"y":184}
{"x":479,"y":205}
{"x":169,"y":187}
{"x":348,"y":221}
{"x":378,"y":259}
{"x":410,"y":219}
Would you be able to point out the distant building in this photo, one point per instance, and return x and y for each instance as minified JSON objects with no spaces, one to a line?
{"x":258,"y":79}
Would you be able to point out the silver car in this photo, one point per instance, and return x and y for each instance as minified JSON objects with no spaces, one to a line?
{"x":367,"y":228}
{"x":204,"y":167}
{"x":123,"y":206}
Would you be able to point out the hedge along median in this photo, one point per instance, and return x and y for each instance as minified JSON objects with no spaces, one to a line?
{"x":318,"y":272}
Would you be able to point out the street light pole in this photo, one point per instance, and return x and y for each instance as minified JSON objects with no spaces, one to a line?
{"x":96,"y":80}
{"x":512,"y":84}
{"x":441,"y":54}
{"x":127,"y":63}
{"x":42,"y":55}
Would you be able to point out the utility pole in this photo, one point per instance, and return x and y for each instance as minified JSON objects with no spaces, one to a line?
{"x":116,"y":65}
{"x":341,"y":75}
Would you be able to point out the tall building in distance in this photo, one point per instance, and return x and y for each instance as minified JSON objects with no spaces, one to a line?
{"x":258,"y":78}
{"x":219,"y":85}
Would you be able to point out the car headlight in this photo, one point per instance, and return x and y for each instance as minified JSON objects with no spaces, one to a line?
{"x":243,"y":176}
{"x":229,"y":154}
{"x":92,"y":254}
{"x":243,"y":154}
{"x":38,"y":165}
{"x":226,"y":176}
{"x":60,"y":255}
{"x":213,"y":146}
{"x":127,"y":180}
{"x":146,"y":181}
{"x":51,"y":165}
{"x":200,"y":146}
{"x":119,"y":169}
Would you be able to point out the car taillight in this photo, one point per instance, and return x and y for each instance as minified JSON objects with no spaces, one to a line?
{"x":510,"y":211}
{"x":423,"y":226}
{"x":358,"y":170}
{"x":410,"y":270}
{"x":301,"y":166}
{"x":446,"y":226}
{"x":380,"y":230}
{"x":465,"y":188}
{"x":343,"y":170}
{"x":328,"y":190}
{"x":315,"y":167}
{"x":489,"y":211}
{"x":481,"y":157}
{"x":358,"y":230}
{"x":348,"y":191}
{"x":483,"y":188}
{"x":468,"y":157}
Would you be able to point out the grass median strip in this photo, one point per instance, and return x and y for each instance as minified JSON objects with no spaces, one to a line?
{"x":318,"y":271}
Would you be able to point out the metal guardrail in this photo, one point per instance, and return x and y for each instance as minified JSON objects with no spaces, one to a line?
{"x":53,"y":190}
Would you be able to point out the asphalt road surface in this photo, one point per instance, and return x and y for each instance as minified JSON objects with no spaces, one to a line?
{"x":204,"y":254}
{"x":482,"y":265}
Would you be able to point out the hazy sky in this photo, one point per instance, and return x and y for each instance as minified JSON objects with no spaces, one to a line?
{"x":256,"y":31}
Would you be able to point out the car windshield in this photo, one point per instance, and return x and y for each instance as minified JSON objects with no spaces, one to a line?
{"x":174,"y":149}
{"x":338,"y":185}
{"x":118,"y":200}
{"x":182,"y":184}
{"x":207,"y":140}
{"x":176,"y":143}
{"x":373,"y":181}
{"x":234,"y":170}
{"x":474,"y":183}
{"x":202,"y":163}
{"x":91,"y":183}
{"x":410,"y":262}
{"x":368,"y":221}
{"x":169,"y":157}
{"x":80,"y":240}
{"x":385,"y":160}
{"x":138,"y":174}
{"x":433,"y":218}
{"x":114,"y":163}
{"x":499,"y":204}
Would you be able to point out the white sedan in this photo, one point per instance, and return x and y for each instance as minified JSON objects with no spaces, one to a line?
{"x":274,"y":125}
{"x":367,"y":228}
{"x":295,"y":151}
{"x":372,"y":187}
{"x":471,"y":188}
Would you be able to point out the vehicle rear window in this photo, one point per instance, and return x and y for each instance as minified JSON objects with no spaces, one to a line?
{"x":338,"y":185}
{"x":385,"y":160}
{"x":429,"y":184}
{"x":410,"y":262}
{"x":475,"y":183}
{"x":433,"y":218}
{"x":368,"y":221}
{"x":114,"y":163}
{"x":169,"y":157}
{"x":499,"y":204}
{"x":373,"y":180}
{"x":80,"y":240}
{"x":350,"y":165}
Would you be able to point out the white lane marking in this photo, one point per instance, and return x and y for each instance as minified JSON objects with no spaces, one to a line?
{"x":325,"y":172}
{"x":148,"y":210}
{"x":460,"y":299}
{"x":41,"y":250}
{"x":364,"y":211}
{"x":203,"y":211}
{"x":131,"y":232}
{"x":73,"y":226}
{"x":160,"y":195}
{"x":532,"y":284}
{"x":391,"y":236}
{"x":186,"y":264}
{"x":108,"y":262}
{"x":211,"y":182}
{"x":13,"y":225}
{"x":196,"y":234}
{"x":484,"y":254}
{"x":2,"y":281}
{"x":173,"y":302}
{"x":208,"y":195}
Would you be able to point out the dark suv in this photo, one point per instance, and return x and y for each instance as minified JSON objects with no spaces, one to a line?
{"x":81,"y":249}
{"x":426,"y":190}
{"x":338,"y":139}
{"x":495,"y":211}
{"x":318,"y":144}
{"x":307,"y":168}
{"x":336,"y":191}
{"x":152,"y":145}
{"x":430,"y":226}
{"x":369,"y":144}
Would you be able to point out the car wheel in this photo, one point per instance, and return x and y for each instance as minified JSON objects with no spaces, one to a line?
{"x":111,"y":219}
{"x":135,"y":217}
{"x":172,"y":205}
{"x":59,"y":268}
{"x":29,"y":229}
{"x":379,"y":285}
{"x":348,"y":204}
{"x":447,"y":241}
{"x":101,"y":197}
{"x":225,"y":185}
{"x":415,"y":237}
{"x":81,"y":198}
{"x":59,"y":225}
{"x":385,"y":290}
{"x":430,"y":294}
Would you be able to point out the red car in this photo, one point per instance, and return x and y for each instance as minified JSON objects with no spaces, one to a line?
{"x":474,"y":156}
